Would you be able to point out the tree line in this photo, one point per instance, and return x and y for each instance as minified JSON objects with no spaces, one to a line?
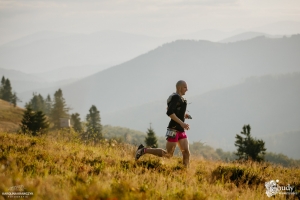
{"x":6,"y":92}
{"x":44,"y":114}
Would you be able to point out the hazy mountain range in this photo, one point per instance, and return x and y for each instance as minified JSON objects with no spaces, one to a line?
{"x":247,"y":36}
{"x":46,"y":51}
{"x":205,"y":65}
{"x":71,"y":72}
{"x":22,"y":82}
{"x":133,"y":94}
{"x":30,"y":55}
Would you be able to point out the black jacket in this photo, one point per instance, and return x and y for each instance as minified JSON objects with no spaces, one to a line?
{"x":177,"y":105}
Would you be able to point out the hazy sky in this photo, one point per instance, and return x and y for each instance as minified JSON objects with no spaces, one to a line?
{"x":149,"y":17}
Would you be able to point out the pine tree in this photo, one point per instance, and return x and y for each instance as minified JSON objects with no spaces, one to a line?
{"x":151,"y":139}
{"x":94,"y":127}
{"x":14,"y":99}
{"x":41,"y":122}
{"x":37,"y":103}
{"x":59,"y":109}
{"x":34,"y":122}
{"x":27,"y":120}
{"x":48,"y":105}
{"x":3,"y":81}
{"x":75,"y":120}
{"x":2,"y":87}
{"x":6,"y":90}
{"x":248,"y":147}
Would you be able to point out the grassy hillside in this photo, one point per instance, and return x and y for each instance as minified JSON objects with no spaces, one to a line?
{"x":59,"y":167}
{"x":10,"y":119}
{"x":10,"y":116}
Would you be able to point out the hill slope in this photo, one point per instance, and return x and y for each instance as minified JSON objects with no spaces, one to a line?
{"x":10,"y":116}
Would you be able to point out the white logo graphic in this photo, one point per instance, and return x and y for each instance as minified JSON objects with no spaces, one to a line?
{"x":271,"y":188}
{"x":274,"y":188}
{"x":17,"y":192}
{"x":18,"y":188}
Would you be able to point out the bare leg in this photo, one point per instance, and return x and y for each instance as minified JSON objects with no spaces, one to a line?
{"x":170,"y":146}
{"x":184,"y":147}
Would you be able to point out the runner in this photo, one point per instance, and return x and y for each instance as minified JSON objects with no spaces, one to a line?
{"x":176,"y":128}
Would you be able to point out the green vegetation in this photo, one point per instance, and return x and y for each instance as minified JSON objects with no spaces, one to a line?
{"x":38,"y":103}
{"x":58,"y":166}
{"x":55,"y":109}
{"x":94,"y":127}
{"x":33,"y":122}
{"x":6,"y":92}
{"x":76,"y":123}
{"x":59,"y":108}
{"x":248,"y":147}
{"x":150,"y":139}
{"x":281,"y":159}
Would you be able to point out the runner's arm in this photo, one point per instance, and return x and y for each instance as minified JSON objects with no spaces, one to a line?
{"x":172,"y":115}
{"x":176,"y":119}
{"x":181,"y":123}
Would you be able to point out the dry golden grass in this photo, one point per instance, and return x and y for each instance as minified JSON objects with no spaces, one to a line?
{"x":10,"y":116}
{"x":59,"y":166}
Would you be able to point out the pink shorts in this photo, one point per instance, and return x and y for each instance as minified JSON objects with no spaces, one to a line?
{"x":179,"y":136}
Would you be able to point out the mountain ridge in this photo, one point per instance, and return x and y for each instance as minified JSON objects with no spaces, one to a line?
{"x":148,"y":73}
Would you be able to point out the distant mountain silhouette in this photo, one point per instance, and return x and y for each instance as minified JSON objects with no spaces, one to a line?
{"x":42,"y":35}
{"x":270,"y":104}
{"x":47,"y":50}
{"x":247,"y":36}
{"x":15,"y":75}
{"x":207,"y":34}
{"x":204,"y":65}
{"x":50,"y":50}
{"x":286,"y":143}
{"x":22,"y":82}
{"x":279,"y":28}
{"x":71,"y":72}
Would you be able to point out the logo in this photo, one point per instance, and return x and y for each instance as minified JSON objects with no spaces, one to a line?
{"x":273,"y":188}
{"x":17,"y":192}
{"x":18,"y":188}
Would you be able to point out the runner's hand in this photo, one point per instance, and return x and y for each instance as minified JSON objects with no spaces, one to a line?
{"x":187,"y":116}
{"x":185,"y":126}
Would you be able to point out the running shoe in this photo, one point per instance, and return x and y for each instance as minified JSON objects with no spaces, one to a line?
{"x":139,"y":152}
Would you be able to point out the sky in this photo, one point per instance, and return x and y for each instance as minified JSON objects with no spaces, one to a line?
{"x":160,"y":18}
